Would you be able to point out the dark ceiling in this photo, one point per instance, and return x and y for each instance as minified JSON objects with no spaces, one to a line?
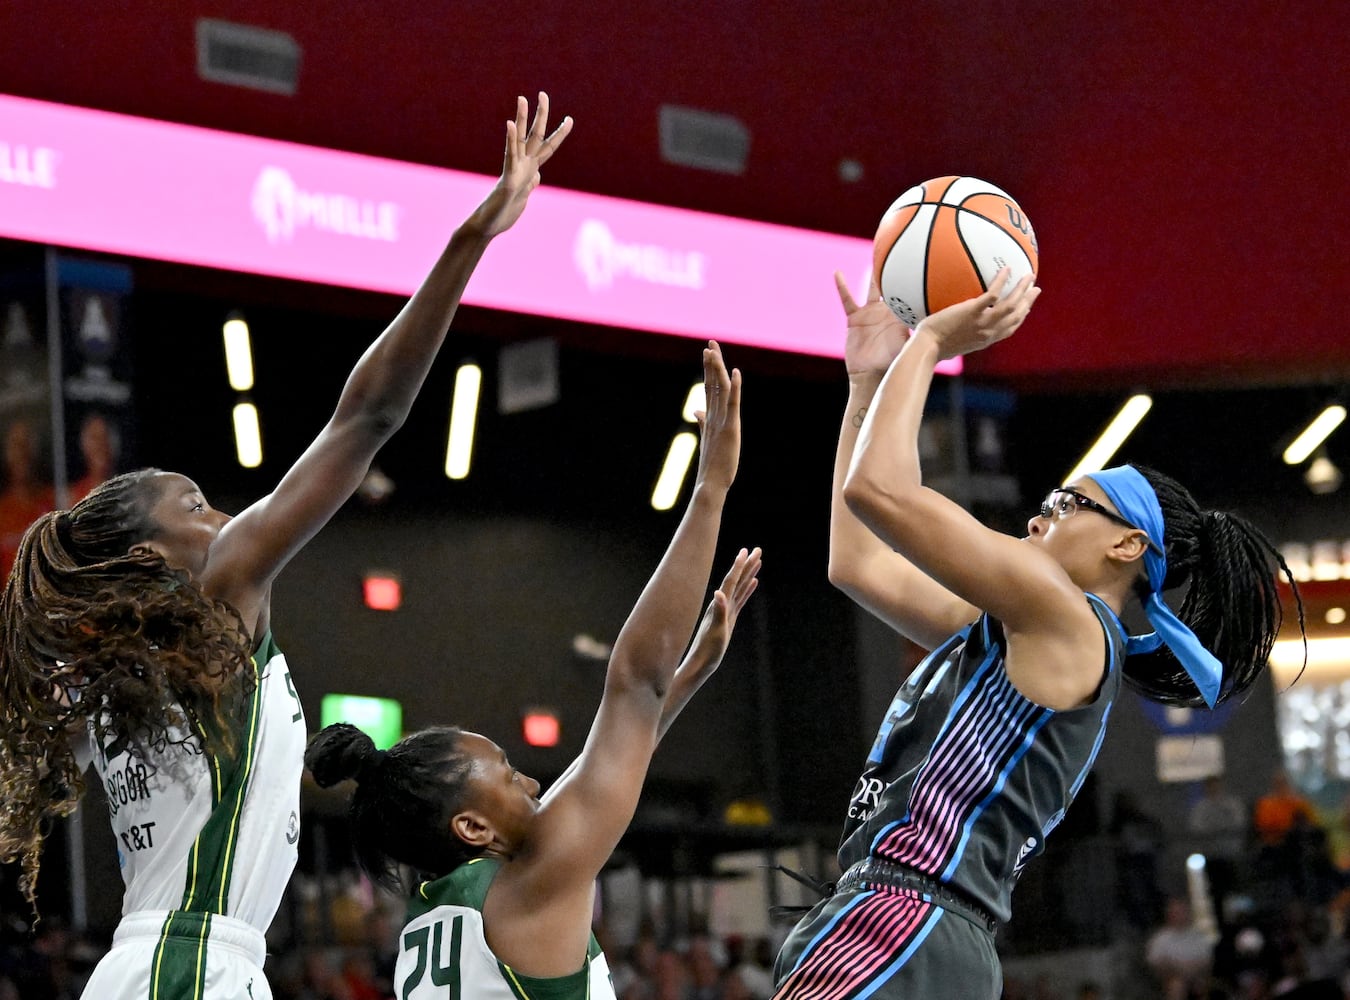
{"x":1174,"y":158}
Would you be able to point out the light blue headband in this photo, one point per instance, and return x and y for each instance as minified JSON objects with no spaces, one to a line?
{"x":1137,"y":503}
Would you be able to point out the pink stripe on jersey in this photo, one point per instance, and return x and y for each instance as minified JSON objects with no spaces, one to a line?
{"x":858,"y":947}
{"x":960,"y":773}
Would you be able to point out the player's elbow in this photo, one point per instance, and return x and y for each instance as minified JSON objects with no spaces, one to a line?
{"x":629,"y":682}
{"x":843,"y":570}
{"x":866,"y":497}
{"x":894,"y":513}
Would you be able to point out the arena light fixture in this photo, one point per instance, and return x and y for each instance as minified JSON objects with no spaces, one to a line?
{"x":238,"y":354}
{"x":695,"y":401}
{"x":1322,"y":475}
{"x":379,"y":718}
{"x":540,"y":727}
{"x":1325,"y":651}
{"x":463,"y":417}
{"x":247,"y":435}
{"x":1122,"y":425}
{"x":382,"y":590}
{"x":1314,"y":434}
{"x":671,"y":480}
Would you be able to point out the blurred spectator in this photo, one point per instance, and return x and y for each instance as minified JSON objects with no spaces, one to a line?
{"x":24,"y":496}
{"x":319,"y":979}
{"x":382,"y":942}
{"x":1278,"y":810}
{"x":705,"y":971}
{"x":42,"y":971}
{"x":1179,"y":954}
{"x":358,"y":976}
{"x":100,"y":444}
{"x":635,"y":978}
{"x":753,"y":967}
{"x":1219,"y":822}
{"x":672,"y":976}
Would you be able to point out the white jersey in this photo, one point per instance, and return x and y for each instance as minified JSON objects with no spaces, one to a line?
{"x":201,"y":834}
{"x":443,"y":946}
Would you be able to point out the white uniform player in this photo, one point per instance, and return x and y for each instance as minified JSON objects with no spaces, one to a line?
{"x":443,"y":945}
{"x":206,"y":847}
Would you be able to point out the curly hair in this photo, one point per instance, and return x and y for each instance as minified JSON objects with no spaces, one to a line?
{"x":1231,"y":601}
{"x":95,"y":634}
{"x":403,"y":797}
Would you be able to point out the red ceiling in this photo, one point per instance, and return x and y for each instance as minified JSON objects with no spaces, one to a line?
{"x":1176,"y":159}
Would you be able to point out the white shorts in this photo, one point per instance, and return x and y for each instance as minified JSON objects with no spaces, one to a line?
{"x":194,"y":957}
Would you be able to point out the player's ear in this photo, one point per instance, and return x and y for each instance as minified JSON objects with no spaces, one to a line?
{"x":473,"y":828}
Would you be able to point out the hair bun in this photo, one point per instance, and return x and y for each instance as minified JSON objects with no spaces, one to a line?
{"x":340,"y":752}
{"x":370,"y":763}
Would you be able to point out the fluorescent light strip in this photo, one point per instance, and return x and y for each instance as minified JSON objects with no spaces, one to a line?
{"x":1122,"y":425}
{"x":1314,"y":434}
{"x":1287,"y":654}
{"x":695,"y":401}
{"x":671,"y":480}
{"x":238,"y":355}
{"x":463,"y":416}
{"x":247,"y":435}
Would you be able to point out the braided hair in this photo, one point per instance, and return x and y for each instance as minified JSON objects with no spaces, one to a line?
{"x":91,"y":632}
{"x":403,"y":801}
{"x":1231,"y":599}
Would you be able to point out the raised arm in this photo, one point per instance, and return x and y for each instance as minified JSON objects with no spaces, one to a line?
{"x":544,"y":894}
{"x":253,"y":548}
{"x":709,"y":646}
{"x":1052,"y":633}
{"x":862,"y":565}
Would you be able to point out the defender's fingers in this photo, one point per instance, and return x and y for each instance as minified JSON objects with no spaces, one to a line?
{"x":845,"y":296}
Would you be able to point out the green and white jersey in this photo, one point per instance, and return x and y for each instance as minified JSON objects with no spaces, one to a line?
{"x":199,"y":833}
{"x":443,"y":945}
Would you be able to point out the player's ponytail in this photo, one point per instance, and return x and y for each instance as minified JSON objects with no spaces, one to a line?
{"x":403,"y":799}
{"x":1228,"y":574}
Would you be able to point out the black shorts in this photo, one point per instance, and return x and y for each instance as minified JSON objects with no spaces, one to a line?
{"x":891,"y":943}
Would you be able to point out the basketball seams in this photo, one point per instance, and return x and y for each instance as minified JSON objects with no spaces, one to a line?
{"x":1033,"y":264}
{"x":908,"y":222}
{"x":927,"y":254}
{"x":1013,"y":243}
{"x":959,"y":252}
{"x":970,"y":254}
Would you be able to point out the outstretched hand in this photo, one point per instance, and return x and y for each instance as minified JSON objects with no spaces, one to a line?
{"x":527,"y":149}
{"x":874,"y":335}
{"x":719,"y":621}
{"x":986,"y":319}
{"x":719,"y":424}
{"x":713,"y":635}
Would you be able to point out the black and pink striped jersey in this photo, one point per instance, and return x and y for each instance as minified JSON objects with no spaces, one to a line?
{"x":967,"y":777}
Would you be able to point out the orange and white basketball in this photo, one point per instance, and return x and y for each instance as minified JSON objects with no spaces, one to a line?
{"x":943,"y":241}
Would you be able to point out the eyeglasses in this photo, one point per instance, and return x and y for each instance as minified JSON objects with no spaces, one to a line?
{"x":1064,"y":502}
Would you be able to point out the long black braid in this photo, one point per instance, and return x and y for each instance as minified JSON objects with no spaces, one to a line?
{"x":1231,"y":598}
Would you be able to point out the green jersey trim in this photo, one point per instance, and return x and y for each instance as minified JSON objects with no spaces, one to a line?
{"x":211,"y":861}
{"x":468,"y":886}
{"x":179,"y":964}
{"x":179,"y":969}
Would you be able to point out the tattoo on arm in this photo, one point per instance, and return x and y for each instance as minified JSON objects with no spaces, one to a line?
{"x":858,"y":417}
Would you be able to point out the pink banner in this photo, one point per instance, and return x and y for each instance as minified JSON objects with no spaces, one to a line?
{"x":79,"y":178}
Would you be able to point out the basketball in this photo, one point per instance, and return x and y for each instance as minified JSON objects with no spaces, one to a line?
{"x":943,"y":241}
